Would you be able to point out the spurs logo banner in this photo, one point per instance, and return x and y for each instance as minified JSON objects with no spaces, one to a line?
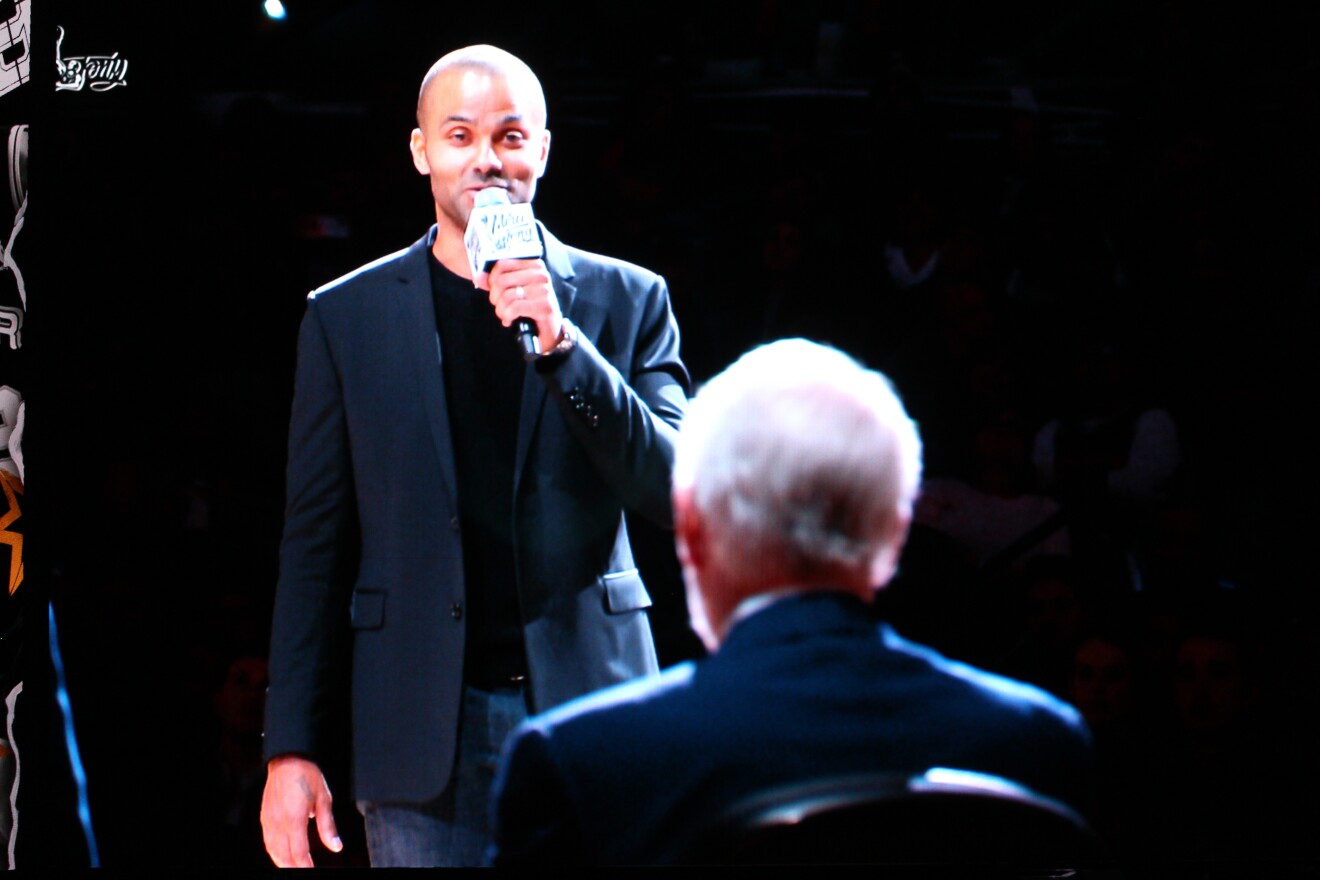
{"x":15,"y":104}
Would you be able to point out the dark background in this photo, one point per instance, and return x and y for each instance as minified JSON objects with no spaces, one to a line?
{"x":1153,"y":190}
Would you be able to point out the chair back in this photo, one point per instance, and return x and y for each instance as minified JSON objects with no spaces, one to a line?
{"x":941,"y":817}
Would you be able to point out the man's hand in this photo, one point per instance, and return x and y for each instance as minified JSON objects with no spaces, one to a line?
{"x":295,"y":792}
{"x":522,"y":289}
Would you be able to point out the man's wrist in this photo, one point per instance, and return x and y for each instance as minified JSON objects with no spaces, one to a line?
{"x":568,"y":337}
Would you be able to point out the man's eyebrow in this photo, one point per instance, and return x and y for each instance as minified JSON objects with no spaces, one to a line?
{"x":511,"y":119}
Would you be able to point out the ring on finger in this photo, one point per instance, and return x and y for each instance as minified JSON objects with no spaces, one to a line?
{"x":519,"y":293}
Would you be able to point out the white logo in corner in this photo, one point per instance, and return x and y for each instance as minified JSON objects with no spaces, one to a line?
{"x":100,"y":73}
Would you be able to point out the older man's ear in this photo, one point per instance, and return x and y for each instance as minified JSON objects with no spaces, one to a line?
{"x":689,"y":529}
{"x":885,"y":562}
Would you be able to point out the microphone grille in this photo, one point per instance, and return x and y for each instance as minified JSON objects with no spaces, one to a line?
{"x":491,"y":195}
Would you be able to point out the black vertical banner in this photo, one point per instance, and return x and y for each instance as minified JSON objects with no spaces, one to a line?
{"x":60,"y":281}
{"x":16,"y":117}
{"x":58,"y":103}
{"x":143,"y":532}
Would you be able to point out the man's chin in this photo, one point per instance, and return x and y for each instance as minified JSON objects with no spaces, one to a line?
{"x":453,"y":216}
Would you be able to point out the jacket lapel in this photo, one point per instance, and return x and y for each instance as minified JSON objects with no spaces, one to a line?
{"x":421,"y":343}
{"x":533,"y":394}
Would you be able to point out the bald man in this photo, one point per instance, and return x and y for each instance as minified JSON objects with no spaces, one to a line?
{"x":793,"y":488}
{"x":455,"y":551}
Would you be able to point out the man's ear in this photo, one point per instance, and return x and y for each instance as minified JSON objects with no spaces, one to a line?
{"x":885,"y":563}
{"x":689,"y":529}
{"x":417,"y":146}
{"x":545,"y":152}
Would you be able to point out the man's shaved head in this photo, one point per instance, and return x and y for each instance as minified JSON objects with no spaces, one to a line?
{"x":492,"y":60}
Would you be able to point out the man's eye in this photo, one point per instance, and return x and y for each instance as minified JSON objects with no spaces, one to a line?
{"x":458,"y":135}
{"x":513,"y":138}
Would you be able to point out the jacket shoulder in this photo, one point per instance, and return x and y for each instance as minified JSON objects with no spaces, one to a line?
{"x":589,"y":264}
{"x":375,"y":274}
{"x":623,"y":698}
{"x":1010,"y":694}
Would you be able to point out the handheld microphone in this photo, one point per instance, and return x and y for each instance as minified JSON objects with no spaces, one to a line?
{"x":499,"y":230}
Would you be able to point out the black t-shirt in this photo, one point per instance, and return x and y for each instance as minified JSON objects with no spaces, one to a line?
{"x":483,"y":372}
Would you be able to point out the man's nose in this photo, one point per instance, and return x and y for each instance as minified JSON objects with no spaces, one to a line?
{"x":487,"y":161}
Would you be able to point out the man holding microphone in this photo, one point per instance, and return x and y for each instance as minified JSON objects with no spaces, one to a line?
{"x":455,"y":551}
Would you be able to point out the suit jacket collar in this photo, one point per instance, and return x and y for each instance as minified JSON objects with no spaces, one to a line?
{"x":803,"y":615}
{"x":421,"y":343}
{"x":560,"y":266}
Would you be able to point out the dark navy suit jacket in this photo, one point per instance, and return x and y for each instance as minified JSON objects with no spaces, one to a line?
{"x":371,"y":570}
{"x":808,"y":686}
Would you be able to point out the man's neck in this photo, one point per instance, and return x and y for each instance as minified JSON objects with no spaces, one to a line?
{"x":758,"y":601}
{"x":450,"y":251}
{"x":752,"y":604}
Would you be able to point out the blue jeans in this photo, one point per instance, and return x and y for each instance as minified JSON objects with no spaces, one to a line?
{"x":452,"y":831}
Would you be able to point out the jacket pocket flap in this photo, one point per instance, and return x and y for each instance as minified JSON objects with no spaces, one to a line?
{"x":368,"y":610}
{"x":624,"y":591}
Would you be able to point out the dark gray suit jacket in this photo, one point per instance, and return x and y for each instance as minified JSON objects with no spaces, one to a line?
{"x":371,"y":593}
{"x":808,"y":687}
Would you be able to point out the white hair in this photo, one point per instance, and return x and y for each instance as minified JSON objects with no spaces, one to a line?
{"x":798,"y":456}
